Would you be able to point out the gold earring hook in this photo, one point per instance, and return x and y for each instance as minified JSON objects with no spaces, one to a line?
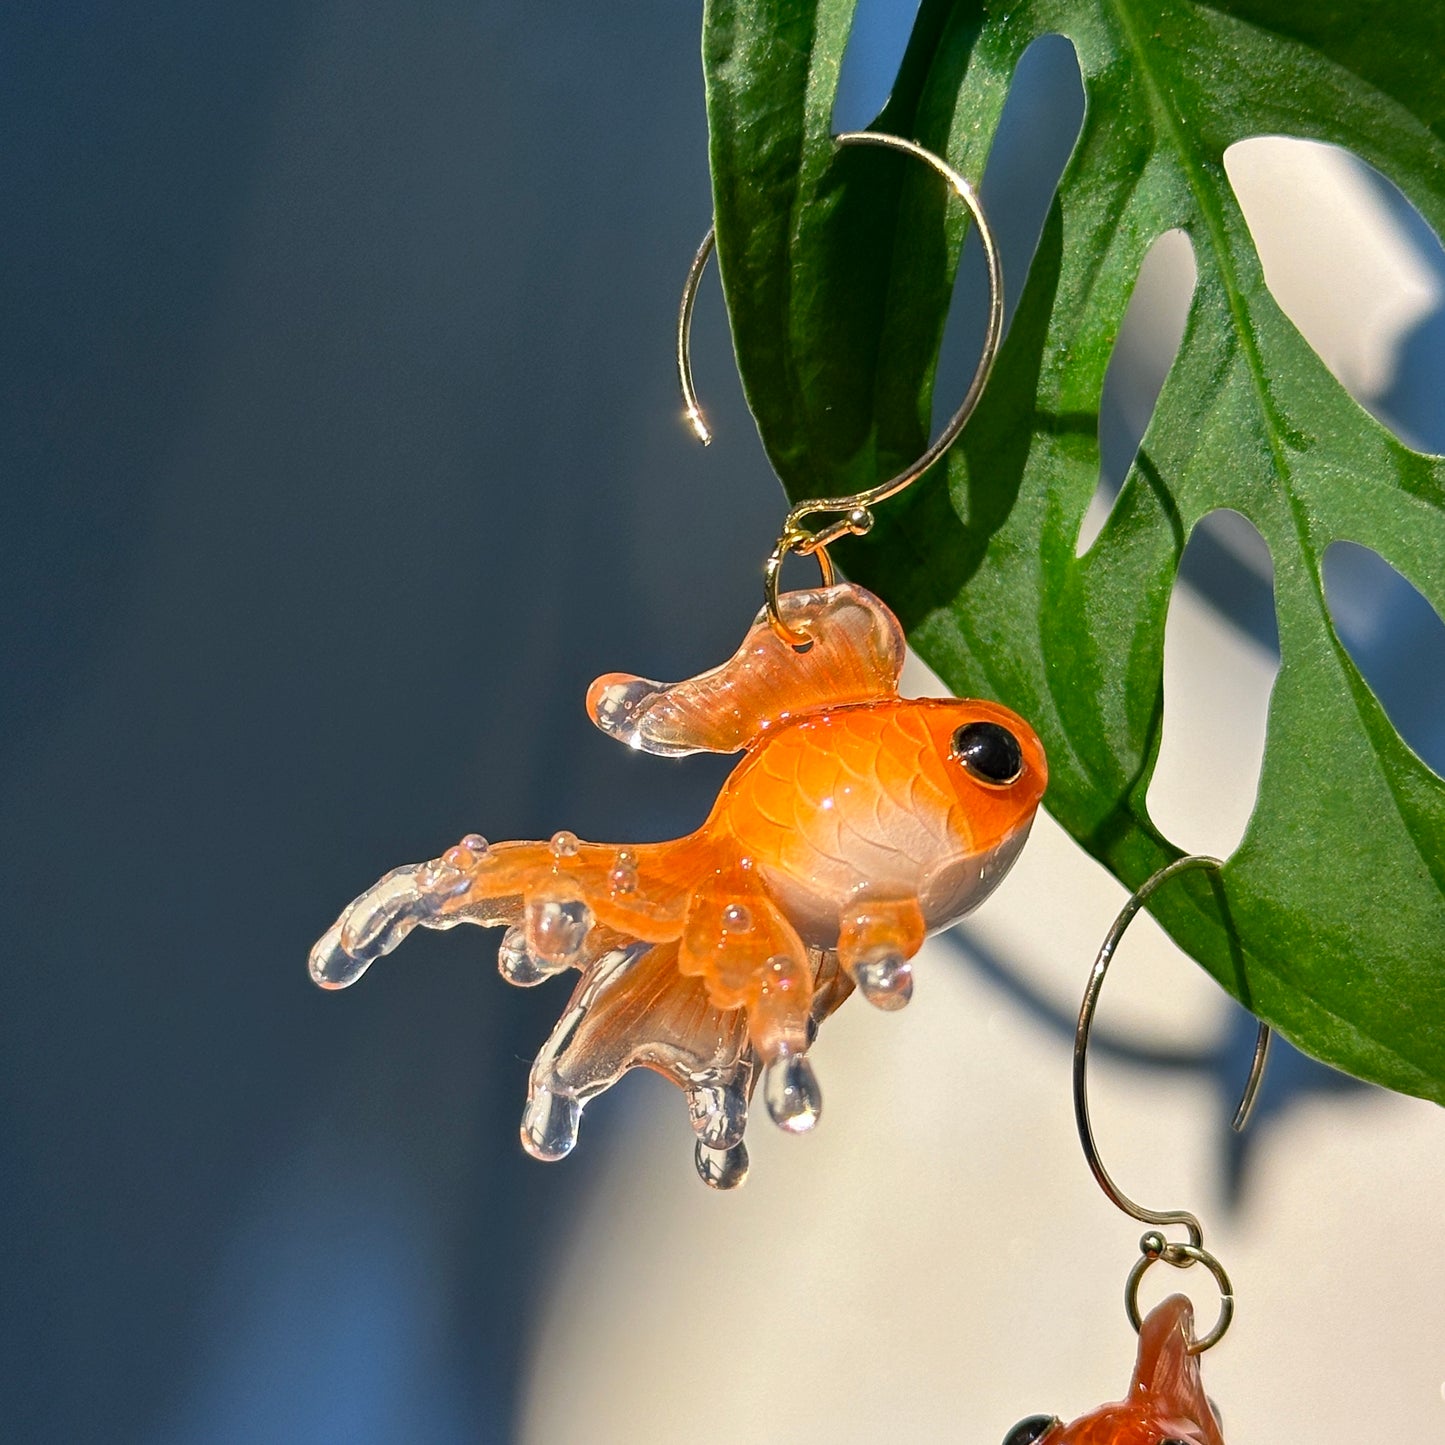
{"x":853,"y":515}
{"x":691,"y":408}
{"x":1154,"y":1246}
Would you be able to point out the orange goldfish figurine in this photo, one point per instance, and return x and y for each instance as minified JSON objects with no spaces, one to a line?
{"x":1166,"y":1403}
{"x":857,"y":823}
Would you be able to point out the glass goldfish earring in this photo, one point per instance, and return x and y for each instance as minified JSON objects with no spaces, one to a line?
{"x":857,"y":823}
{"x":1166,"y":1403}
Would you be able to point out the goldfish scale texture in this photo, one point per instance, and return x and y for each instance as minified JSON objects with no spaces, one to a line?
{"x":842,"y":800}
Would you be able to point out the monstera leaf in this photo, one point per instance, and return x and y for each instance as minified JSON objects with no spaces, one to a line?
{"x":837,"y":264}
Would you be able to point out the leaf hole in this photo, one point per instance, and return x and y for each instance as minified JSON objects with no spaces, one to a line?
{"x":1144,"y":350}
{"x":877,"y":40}
{"x":1396,"y":639}
{"x":1217,"y":684}
{"x":1355,"y":267}
{"x":1037,"y":131}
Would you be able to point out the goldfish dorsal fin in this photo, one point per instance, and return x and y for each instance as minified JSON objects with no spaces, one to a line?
{"x":856,"y":656}
{"x":1167,"y":1375}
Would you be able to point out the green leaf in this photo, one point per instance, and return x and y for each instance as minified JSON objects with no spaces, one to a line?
{"x":837,"y":266}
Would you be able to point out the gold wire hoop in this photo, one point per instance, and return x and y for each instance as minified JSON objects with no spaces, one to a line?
{"x":692,"y":409}
{"x":1153,"y":1247}
{"x":853,"y":516}
{"x":1178,"y":1254}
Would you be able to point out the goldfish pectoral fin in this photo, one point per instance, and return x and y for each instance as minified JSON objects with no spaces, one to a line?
{"x":856,"y":656}
{"x":877,"y":938}
{"x":750,"y":957}
{"x":633,"y":1008}
{"x":790,"y":1085}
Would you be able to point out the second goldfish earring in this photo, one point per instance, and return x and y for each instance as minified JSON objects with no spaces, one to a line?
{"x":857,"y":823}
{"x":1166,"y":1403}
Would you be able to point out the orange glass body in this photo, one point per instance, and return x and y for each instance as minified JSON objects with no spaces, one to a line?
{"x":857,"y":823}
{"x":1166,"y":1403}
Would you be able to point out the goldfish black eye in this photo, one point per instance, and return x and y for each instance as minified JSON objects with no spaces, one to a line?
{"x":991,"y":754}
{"x":1026,"y":1432}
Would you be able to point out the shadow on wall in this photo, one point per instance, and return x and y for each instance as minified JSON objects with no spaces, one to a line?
{"x":307,"y":577}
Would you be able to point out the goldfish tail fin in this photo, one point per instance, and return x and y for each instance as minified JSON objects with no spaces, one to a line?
{"x":632,"y":1008}
{"x":467,"y":884}
{"x":563,"y":903}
